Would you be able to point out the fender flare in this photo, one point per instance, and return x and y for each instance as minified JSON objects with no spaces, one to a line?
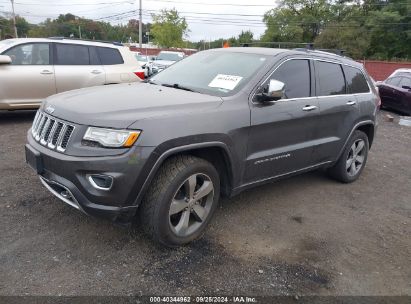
{"x":175,"y":150}
{"x":361,"y":123}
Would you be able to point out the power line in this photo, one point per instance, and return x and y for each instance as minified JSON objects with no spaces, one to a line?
{"x":72,"y":4}
{"x":204,"y":13}
{"x":221,"y":4}
{"x":260,"y":5}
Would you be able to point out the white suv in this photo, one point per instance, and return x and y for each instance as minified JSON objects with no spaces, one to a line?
{"x":32,"y":69}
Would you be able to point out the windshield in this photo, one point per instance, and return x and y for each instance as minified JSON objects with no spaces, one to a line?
{"x":5,"y":43}
{"x":214,"y":73}
{"x":169,"y":56}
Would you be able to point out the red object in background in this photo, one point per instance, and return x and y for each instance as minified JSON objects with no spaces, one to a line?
{"x":140,"y":74}
{"x":226,"y":45}
{"x":380,"y":70}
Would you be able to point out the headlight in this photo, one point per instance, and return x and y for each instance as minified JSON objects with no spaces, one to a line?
{"x":112,"y":138}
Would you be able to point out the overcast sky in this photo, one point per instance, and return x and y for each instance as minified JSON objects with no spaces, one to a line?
{"x":207,"y":19}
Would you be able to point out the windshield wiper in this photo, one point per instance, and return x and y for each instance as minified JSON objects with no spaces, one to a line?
{"x":177,"y":86}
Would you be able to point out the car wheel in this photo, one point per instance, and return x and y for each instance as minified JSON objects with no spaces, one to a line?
{"x":180,"y":201}
{"x":353,"y":159}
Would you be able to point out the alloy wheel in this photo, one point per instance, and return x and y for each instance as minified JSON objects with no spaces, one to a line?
{"x":191,"y":205}
{"x":356,"y":157}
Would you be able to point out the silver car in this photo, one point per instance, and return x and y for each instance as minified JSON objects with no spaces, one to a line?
{"x":32,"y":69}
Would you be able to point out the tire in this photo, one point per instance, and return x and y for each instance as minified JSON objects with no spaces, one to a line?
{"x":353,"y":159}
{"x":173,"y":212}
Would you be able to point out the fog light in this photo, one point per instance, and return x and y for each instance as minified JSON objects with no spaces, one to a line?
{"x":101,"y":182}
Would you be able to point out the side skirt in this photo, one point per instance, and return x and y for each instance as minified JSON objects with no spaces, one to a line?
{"x":241,"y":188}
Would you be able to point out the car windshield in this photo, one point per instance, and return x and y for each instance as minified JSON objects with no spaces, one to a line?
{"x":5,"y":43}
{"x":214,"y":73}
{"x":169,"y":56}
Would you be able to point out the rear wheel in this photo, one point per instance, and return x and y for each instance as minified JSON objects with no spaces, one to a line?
{"x":181,"y":200}
{"x":352,"y":161}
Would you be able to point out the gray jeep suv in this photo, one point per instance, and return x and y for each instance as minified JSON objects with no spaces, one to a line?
{"x":218,"y":122}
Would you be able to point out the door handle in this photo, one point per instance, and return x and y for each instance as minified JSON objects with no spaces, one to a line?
{"x":46,"y":72}
{"x":309,"y":108}
{"x":96,"y":72}
{"x":351,"y":103}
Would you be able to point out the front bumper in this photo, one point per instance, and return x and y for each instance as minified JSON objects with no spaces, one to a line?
{"x":66,"y":177}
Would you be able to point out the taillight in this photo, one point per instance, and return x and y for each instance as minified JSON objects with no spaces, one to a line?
{"x":140,"y":74}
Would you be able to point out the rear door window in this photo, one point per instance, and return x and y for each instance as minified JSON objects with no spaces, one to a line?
{"x":109,"y":56}
{"x":295,"y":74}
{"x":72,"y":54}
{"x":331,"y":79}
{"x":356,"y":82}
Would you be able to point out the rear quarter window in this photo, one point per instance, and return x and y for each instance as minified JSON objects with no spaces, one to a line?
{"x":109,"y":56}
{"x":331,"y":78}
{"x":356,"y":82}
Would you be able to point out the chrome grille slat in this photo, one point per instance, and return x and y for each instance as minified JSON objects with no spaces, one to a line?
{"x":47,"y":129}
{"x":36,"y":126}
{"x":44,"y":130}
{"x":56,"y":135}
{"x":35,"y":122}
{"x":51,"y":132}
{"x":51,"y":135}
{"x":63,"y":131}
{"x":40,"y":127}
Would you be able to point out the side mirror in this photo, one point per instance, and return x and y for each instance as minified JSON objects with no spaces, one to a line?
{"x":4,"y":59}
{"x":274,"y":92}
{"x":406,"y":87}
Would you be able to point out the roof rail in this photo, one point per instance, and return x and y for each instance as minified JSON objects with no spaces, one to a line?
{"x":336,"y":52}
{"x":78,"y":39}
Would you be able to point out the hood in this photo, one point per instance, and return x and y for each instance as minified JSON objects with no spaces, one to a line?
{"x":163,"y":62}
{"x":119,"y":106}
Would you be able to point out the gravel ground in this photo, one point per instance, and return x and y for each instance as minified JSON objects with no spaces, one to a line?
{"x":307,"y":235}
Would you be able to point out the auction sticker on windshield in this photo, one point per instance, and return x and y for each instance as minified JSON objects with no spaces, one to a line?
{"x":228,"y":82}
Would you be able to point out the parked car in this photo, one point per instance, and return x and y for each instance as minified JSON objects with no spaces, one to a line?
{"x":146,"y":63}
{"x":218,"y":122}
{"x":33,"y":69}
{"x":400,"y":72}
{"x":395,"y":93}
{"x":165,"y":59}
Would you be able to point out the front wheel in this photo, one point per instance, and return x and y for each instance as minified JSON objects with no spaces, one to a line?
{"x":181,"y":200}
{"x":352,"y":161}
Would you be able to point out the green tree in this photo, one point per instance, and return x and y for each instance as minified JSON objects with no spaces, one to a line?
{"x":297,"y":20}
{"x":23,"y":26}
{"x":245,"y":37}
{"x":169,"y":29}
{"x":390,"y":30}
{"x":348,"y":36}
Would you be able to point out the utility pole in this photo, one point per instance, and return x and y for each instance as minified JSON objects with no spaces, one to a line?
{"x":14,"y":20}
{"x":79,"y":31}
{"x":140,"y":26}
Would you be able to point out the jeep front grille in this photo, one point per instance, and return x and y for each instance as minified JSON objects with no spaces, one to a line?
{"x":51,"y":132}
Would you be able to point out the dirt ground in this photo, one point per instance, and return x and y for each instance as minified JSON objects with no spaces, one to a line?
{"x":307,"y":235}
